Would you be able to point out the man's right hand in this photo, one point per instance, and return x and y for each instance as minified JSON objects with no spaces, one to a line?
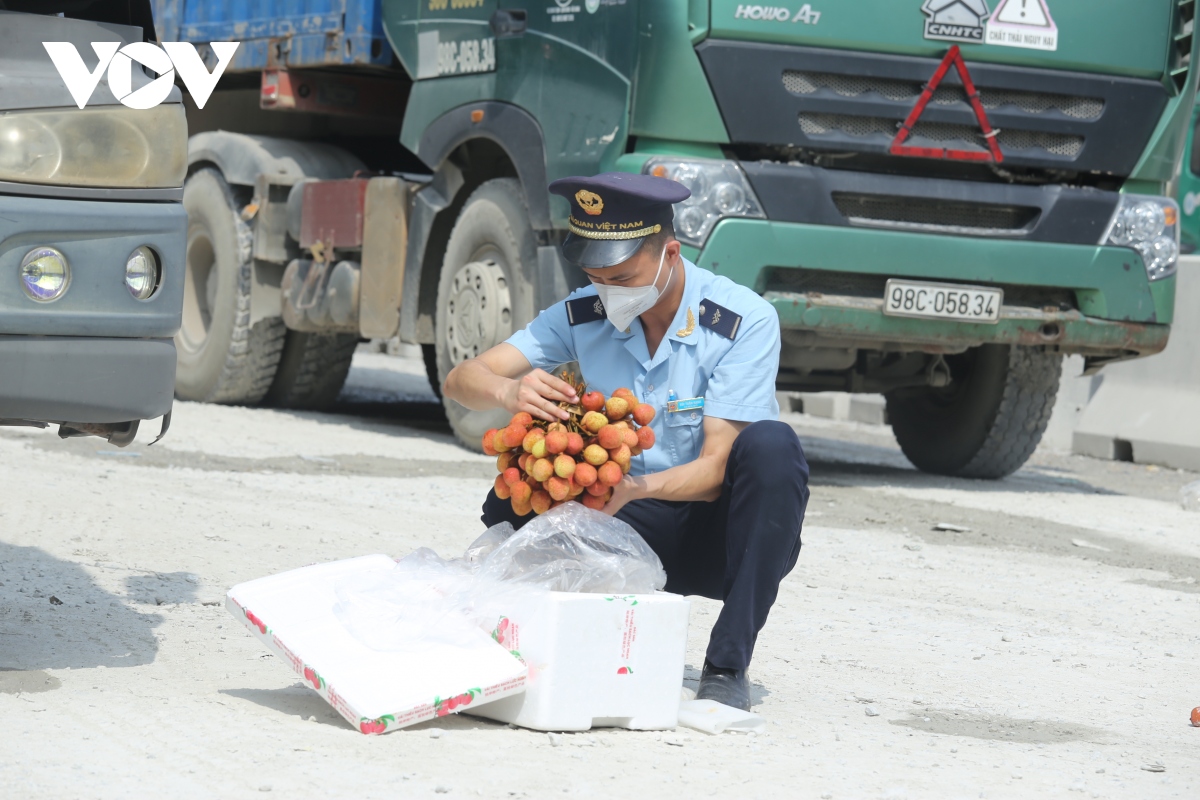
{"x":503,"y":378}
{"x":539,"y":393}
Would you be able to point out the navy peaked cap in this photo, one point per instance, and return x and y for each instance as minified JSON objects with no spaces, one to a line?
{"x":612,"y":212}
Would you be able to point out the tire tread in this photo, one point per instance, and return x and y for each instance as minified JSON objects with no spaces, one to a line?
{"x":254,"y":349}
{"x":1025,"y":408}
{"x":313,"y":369}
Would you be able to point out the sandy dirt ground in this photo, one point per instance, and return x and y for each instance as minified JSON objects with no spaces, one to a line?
{"x":1049,"y":650}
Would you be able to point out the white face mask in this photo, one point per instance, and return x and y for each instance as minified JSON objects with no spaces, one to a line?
{"x":624,"y":304}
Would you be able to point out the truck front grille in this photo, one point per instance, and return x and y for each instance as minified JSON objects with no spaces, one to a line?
{"x":799,"y":82}
{"x":940,"y":216}
{"x":966,"y":137}
{"x":849,"y":102}
{"x":1185,"y":29}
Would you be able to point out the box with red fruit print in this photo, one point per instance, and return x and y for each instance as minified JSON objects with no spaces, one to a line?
{"x":594,"y":660}
{"x":293,"y":615}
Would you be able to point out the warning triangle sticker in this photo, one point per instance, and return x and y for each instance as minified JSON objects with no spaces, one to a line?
{"x":898,"y":148}
{"x":1023,"y":12}
{"x":1022,"y":23}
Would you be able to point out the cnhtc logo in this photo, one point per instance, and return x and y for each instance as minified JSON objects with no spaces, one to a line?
{"x":955,"y":20}
{"x":179,"y":56}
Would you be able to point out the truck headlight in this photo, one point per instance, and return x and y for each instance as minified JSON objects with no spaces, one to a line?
{"x":719,"y":189}
{"x":141,"y":273}
{"x":45,"y":274}
{"x":112,"y":146}
{"x":1149,"y":225}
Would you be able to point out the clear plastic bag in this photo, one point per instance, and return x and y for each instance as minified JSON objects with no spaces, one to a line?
{"x":429,"y":600}
{"x":1189,"y":496}
{"x":573,"y":548}
{"x":402,"y":609}
{"x":488,"y":541}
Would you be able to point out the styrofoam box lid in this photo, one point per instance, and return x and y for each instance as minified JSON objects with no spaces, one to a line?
{"x":297,"y":609}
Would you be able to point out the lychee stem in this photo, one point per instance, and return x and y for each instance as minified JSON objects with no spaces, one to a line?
{"x":576,"y":412}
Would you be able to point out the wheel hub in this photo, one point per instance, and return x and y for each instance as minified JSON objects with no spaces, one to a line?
{"x":479,"y":311}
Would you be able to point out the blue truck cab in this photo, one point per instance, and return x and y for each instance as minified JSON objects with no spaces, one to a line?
{"x":92,"y":230}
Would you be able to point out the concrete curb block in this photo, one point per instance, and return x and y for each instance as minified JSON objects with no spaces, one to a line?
{"x":867,"y":408}
{"x":1148,"y":411}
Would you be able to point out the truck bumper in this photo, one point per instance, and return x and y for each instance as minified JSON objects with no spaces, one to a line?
{"x":96,"y":237}
{"x":96,"y":354}
{"x":76,"y":379}
{"x":828,"y":280}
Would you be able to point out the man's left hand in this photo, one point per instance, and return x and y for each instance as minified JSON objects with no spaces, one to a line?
{"x":629,"y":488}
{"x":699,"y":479}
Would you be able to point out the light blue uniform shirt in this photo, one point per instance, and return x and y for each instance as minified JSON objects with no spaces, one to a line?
{"x":736,"y":377}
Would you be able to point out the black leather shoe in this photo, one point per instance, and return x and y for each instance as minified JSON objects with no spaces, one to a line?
{"x":726,"y":686}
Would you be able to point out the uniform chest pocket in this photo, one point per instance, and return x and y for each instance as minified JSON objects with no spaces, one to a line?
{"x":684,"y":431}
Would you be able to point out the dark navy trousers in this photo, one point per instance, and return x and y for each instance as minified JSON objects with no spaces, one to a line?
{"x":737,"y":548}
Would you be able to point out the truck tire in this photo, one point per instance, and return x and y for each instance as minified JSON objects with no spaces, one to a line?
{"x":222,"y":358}
{"x":312,"y":370}
{"x":990,"y":418}
{"x":485,"y":291}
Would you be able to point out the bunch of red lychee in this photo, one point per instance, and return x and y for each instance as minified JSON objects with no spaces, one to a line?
{"x":544,"y":464}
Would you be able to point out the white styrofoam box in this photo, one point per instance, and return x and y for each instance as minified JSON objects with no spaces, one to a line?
{"x":594,"y":661}
{"x":292,"y":613}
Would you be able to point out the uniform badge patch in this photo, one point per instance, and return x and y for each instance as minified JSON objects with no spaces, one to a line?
{"x":585,"y":309}
{"x":719,"y":319}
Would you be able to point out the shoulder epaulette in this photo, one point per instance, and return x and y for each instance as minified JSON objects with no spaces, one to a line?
{"x":585,"y":309}
{"x":719,"y":319}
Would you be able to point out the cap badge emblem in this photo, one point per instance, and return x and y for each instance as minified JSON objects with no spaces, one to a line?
{"x":590,"y":202}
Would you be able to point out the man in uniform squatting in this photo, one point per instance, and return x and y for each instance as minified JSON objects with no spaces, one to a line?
{"x":721,"y":496}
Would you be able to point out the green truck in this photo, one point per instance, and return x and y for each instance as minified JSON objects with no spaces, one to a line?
{"x":1189,"y":189}
{"x":941,"y":198}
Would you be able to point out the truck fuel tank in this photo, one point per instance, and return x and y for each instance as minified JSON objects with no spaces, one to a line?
{"x":321,"y":297}
{"x":357,"y":232}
